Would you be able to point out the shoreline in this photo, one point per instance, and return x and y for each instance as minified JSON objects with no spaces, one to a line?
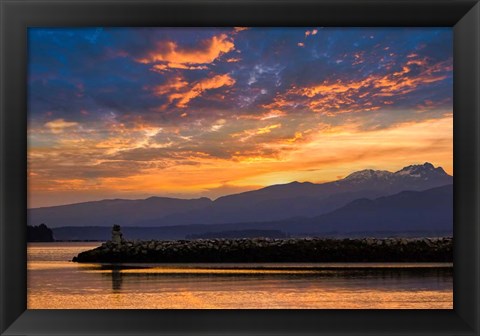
{"x":265,"y":250}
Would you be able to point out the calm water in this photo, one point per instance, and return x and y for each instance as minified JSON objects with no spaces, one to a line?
{"x":54,"y":282}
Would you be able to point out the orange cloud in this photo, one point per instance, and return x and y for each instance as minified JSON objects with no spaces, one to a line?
{"x":265,"y":116}
{"x":162,"y":67}
{"x":172,"y":55}
{"x":173,"y":84}
{"x":297,"y":136}
{"x":329,"y":87}
{"x":365,"y":94}
{"x":247,"y":134}
{"x":273,"y":114}
{"x":311,"y":32}
{"x":199,"y":87}
{"x":358,"y":58}
{"x":58,"y":125}
{"x":267,"y":129}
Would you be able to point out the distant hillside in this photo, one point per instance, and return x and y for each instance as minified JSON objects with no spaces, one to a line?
{"x":426,"y":213}
{"x":430,"y":210}
{"x":273,"y":203}
{"x":108,"y":212}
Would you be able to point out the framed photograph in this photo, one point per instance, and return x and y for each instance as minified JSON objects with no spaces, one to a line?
{"x":251,"y":167}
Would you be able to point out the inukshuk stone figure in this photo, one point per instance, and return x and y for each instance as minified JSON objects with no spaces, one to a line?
{"x":117,"y":237}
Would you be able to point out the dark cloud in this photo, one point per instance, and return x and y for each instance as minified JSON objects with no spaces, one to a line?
{"x":82,"y":74}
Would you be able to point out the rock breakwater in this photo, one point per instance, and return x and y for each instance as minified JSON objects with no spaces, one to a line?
{"x":272,"y":250}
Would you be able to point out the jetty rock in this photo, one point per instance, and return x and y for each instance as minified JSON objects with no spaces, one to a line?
{"x":246,"y":250}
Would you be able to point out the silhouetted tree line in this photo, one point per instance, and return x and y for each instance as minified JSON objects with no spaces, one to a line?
{"x":39,"y":233}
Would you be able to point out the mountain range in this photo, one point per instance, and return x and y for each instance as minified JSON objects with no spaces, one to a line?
{"x":328,"y":205}
{"x":427,"y":213}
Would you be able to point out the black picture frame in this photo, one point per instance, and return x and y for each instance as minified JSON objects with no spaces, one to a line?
{"x":17,"y":15}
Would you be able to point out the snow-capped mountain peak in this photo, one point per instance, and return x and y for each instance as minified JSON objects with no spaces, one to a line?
{"x":369,"y":174}
{"x":425,"y":170}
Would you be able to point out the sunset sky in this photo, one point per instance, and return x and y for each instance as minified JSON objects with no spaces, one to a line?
{"x":190,"y":112}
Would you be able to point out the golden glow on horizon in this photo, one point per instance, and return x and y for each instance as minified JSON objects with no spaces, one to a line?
{"x":319,"y":155}
{"x":192,"y":112}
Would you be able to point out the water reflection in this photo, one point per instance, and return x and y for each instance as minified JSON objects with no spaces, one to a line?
{"x":53,"y":282}
{"x":115,"y":272}
{"x":117,"y":280}
{"x":401,"y":279}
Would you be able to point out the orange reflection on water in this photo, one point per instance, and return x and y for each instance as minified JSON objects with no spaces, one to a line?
{"x":60,"y":284}
{"x":224,"y":299}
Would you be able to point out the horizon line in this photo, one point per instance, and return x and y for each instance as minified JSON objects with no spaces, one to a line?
{"x":212,"y":199}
